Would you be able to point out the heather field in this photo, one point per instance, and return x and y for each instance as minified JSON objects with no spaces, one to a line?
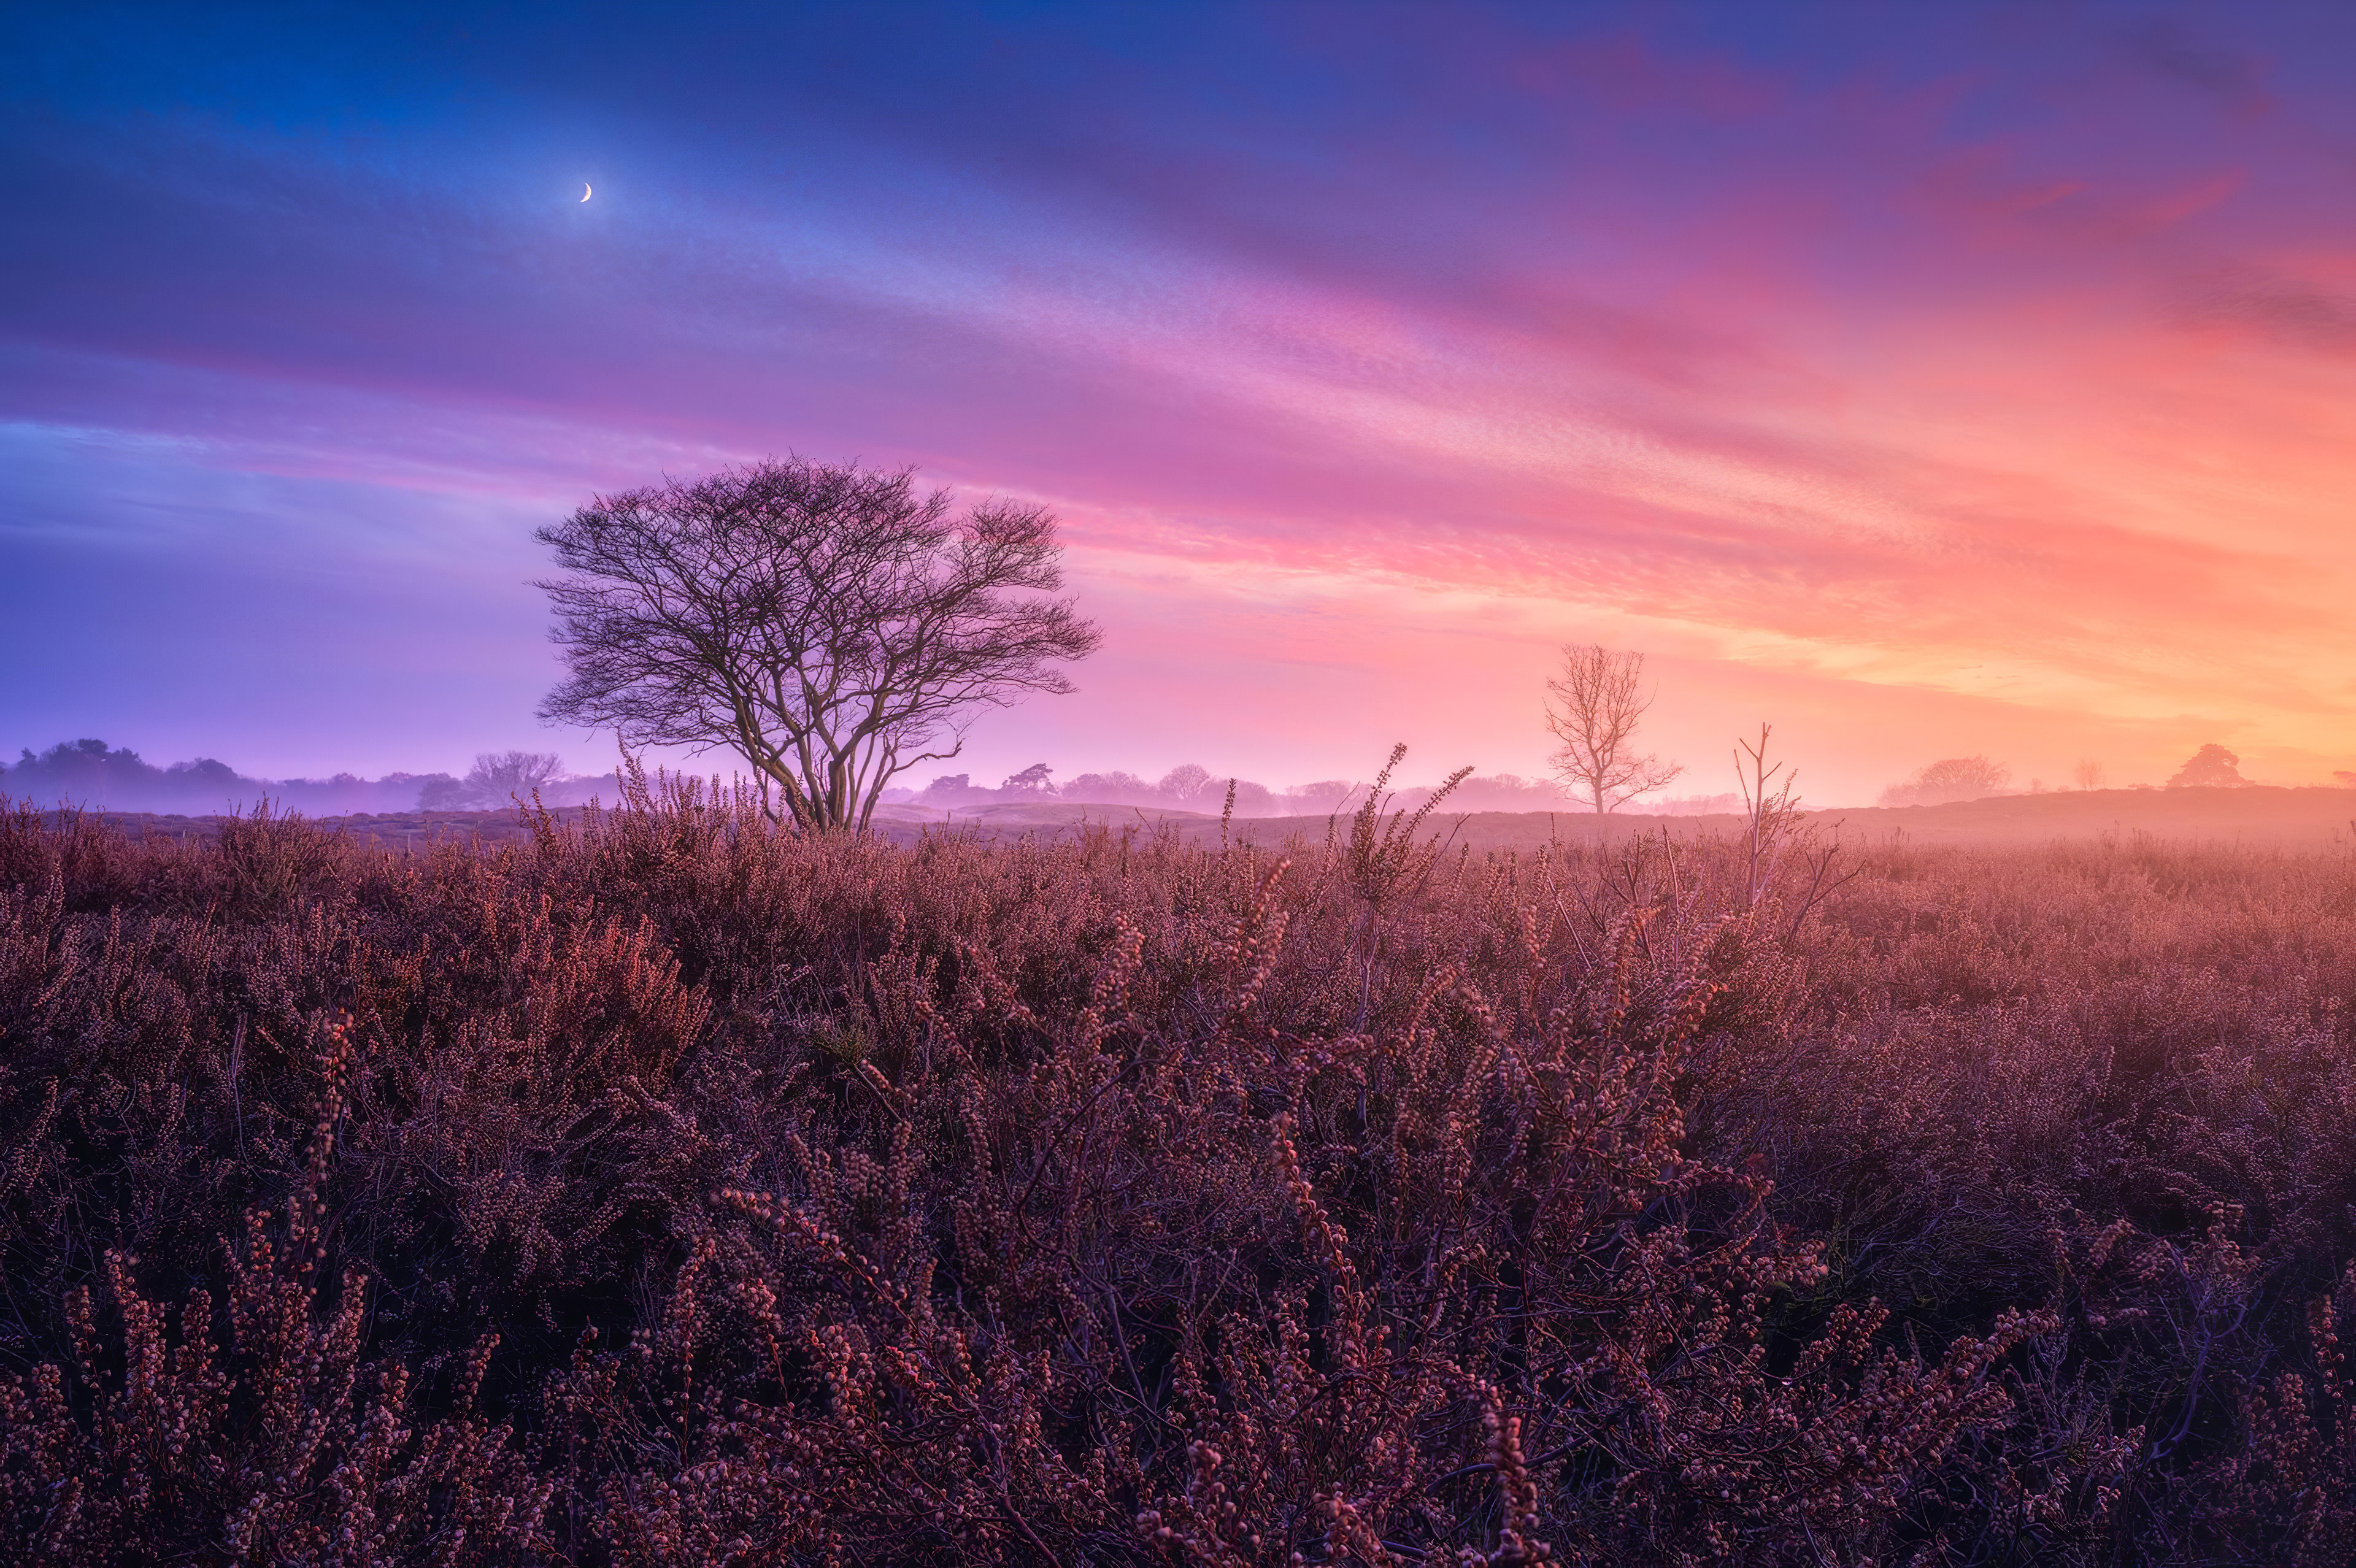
{"x":645,"y":1186}
{"x":2260,"y":816}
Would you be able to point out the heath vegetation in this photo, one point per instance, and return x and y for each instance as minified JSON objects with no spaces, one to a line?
{"x":669,"y":1188}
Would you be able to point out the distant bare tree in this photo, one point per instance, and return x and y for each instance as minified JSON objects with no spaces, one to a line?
{"x":497,"y":777}
{"x":2087,"y":775}
{"x":1594,"y":714}
{"x":832,"y":625}
{"x":2211,"y":766}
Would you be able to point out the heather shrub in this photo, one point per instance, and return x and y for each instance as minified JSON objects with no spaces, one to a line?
{"x":256,"y":1432}
{"x":661,"y":1188}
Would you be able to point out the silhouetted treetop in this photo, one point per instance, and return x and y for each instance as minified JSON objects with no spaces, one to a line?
{"x":92,"y":773}
{"x":2211,"y":766}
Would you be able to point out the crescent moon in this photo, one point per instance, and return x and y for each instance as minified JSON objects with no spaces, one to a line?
{"x":585,"y":191}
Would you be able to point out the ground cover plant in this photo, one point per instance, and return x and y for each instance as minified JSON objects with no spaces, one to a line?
{"x":659,"y":1187}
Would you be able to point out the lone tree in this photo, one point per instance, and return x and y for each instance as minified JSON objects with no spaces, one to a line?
{"x":1593,"y":711}
{"x":833,"y":625}
{"x":1033,"y":780}
{"x":2211,"y":767}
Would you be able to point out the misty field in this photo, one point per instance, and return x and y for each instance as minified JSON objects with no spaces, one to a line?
{"x":656,"y":1188}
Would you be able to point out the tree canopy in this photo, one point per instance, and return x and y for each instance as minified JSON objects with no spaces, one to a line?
{"x":2213,"y":766}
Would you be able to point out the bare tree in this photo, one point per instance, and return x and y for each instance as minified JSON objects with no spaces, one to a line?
{"x":500,"y":776}
{"x":2087,"y":775}
{"x":1596,"y":722}
{"x":832,"y":625}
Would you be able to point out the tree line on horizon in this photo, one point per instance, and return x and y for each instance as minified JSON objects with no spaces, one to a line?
{"x":1953,"y":779}
{"x":1190,"y":786}
{"x":91,"y":772}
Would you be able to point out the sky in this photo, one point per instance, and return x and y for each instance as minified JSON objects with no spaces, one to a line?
{"x":1922,"y":381}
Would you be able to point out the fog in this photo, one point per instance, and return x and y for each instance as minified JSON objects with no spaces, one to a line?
{"x":93,"y":775}
{"x":1190,"y":786}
